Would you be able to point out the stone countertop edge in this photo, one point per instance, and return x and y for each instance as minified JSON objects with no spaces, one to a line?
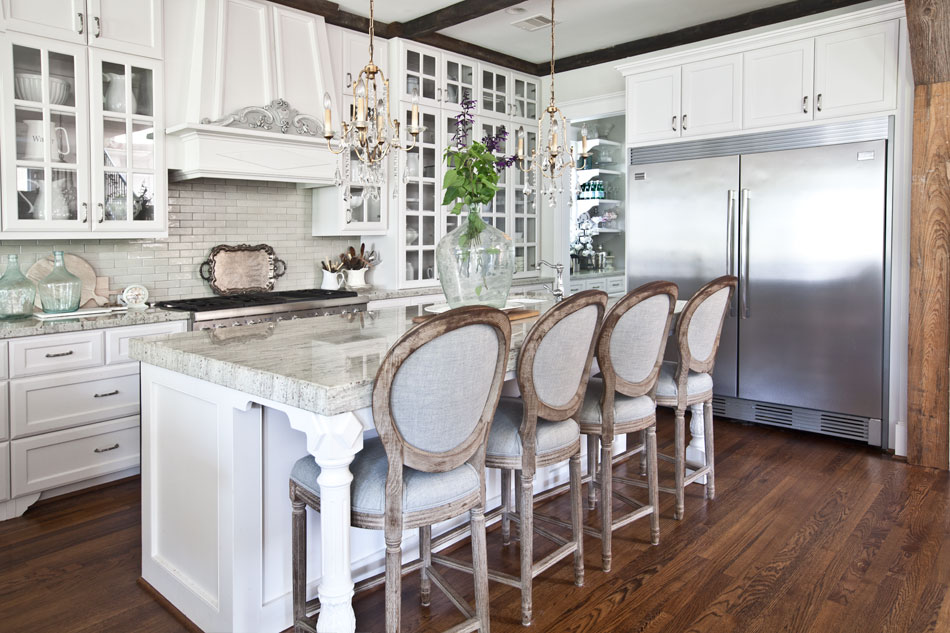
{"x":597,"y":274}
{"x":379,"y":294}
{"x":35,"y":327}
{"x":253,"y":382}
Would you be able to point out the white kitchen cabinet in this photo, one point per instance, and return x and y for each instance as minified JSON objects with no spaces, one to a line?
{"x":856,"y":71}
{"x":125,"y":26}
{"x":777,"y":84}
{"x":117,"y":339}
{"x":711,"y":94}
{"x":421,"y":201}
{"x":4,"y":411}
{"x":353,"y":55}
{"x":63,"y":457}
{"x":87,"y":156}
{"x":494,"y":88}
{"x":51,"y":402}
{"x":653,"y":105}
{"x":4,"y":471}
{"x":457,"y":83}
{"x":34,"y":355}
{"x":419,"y":72}
{"x":525,"y":97}
{"x":525,"y":232}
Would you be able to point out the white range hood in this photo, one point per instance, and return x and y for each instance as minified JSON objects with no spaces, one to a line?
{"x":245,"y":81}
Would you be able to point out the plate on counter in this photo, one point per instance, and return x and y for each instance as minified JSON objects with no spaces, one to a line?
{"x":439,"y":308}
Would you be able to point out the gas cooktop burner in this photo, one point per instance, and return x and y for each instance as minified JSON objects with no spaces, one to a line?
{"x":263,"y":299}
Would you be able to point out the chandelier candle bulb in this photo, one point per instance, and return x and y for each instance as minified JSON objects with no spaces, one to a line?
{"x":415,"y":109}
{"x":584,"y":141}
{"x":521,"y":143}
{"x":327,"y":123}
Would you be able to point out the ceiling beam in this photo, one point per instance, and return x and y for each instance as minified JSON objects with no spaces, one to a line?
{"x":689,"y":35}
{"x":336,"y":16}
{"x":477,"y":52}
{"x":449,"y":16}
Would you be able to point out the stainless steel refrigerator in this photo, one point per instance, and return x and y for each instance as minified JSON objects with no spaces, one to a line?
{"x":804,"y":229}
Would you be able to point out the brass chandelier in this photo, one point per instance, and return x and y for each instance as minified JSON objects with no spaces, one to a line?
{"x":549,"y":158}
{"x":370,"y":134}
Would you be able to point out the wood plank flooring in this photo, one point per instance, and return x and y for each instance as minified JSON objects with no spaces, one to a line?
{"x":806,"y":534}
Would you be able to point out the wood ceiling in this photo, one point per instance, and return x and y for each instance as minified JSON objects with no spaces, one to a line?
{"x":426,"y":29}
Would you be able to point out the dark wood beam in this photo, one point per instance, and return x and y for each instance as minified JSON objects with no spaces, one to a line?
{"x":336,"y":16}
{"x":928,"y":358}
{"x":689,"y":35}
{"x":449,"y":16}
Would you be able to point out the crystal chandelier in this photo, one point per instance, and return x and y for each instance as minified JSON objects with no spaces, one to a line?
{"x":370,"y":134}
{"x":549,"y":157}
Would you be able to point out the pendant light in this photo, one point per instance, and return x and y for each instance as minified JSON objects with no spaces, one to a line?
{"x":549,"y":158}
{"x":370,"y":134}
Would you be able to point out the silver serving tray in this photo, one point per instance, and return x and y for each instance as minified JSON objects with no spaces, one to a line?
{"x":242,"y":269}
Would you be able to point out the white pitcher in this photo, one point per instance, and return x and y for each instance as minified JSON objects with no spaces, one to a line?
{"x":356,"y":278}
{"x":331,"y":281}
{"x":114,"y":97}
{"x":59,"y":208}
{"x":35,"y":145}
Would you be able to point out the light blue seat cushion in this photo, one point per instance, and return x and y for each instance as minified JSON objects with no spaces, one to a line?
{"x":421,"y":491}
{"x":626,"y":409}
{"x":504,"y":441}
{"x":695,"y":382}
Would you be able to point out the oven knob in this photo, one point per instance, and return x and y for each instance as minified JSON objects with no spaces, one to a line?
{"x":327,"y":313}
{"x":279,"y":319}
{"x":294,"y":317}
{"x":237,"y":323}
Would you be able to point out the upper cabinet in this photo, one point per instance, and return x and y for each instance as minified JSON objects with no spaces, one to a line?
{"x":777,"y":84}
{"x":834,"y":74}
{"x":88,"y":155}
{"x":856,"y":71}
{"x":124,"y":26}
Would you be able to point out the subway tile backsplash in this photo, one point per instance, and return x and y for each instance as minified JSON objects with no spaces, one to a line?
{"x":202,"y":214}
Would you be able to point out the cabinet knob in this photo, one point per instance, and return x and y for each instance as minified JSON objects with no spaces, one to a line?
{"x":684,"y":122}
{"x":102,"y":213}
{"x":82,"y":23}
{"x":805,"y":104}
{"x":85,"y":212}
{"x":107,"y":449}
{"x":98,"y":26}
{"x":818,"y":102}
{"x":674,"y":122}
{"x":439,"y":95}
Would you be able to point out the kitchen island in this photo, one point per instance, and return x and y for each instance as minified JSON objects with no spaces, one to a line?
{"x":225,"y":414}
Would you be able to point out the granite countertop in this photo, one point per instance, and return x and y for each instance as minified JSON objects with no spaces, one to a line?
{"x":378,"y":294}
{"x":597,"y":274}
{"x":35,"y":327}
{"x":324,"y":364}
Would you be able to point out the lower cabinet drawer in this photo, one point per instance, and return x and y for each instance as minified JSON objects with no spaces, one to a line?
{"x":575,"y":287}
{"x":4,"y":471}
{"x":615,"y":284}
{"x":57,"y":401}
{"x":55,"y":352}
{"x":64,"y":457}
{"x":117,"y":339}
{"x":597,"y":284}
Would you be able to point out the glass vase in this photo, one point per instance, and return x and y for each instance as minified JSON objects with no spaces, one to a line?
{"x":475,"y":268}
{"x":60,"y":290}
{"x":16,"y":292}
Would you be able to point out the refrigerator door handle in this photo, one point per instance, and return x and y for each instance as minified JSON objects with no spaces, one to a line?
{"x":731,"y":242}
{"x":744,"y":307}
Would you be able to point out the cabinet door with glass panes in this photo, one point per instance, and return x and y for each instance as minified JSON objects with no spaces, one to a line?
{"x":128,"y":162}
{"x":421,"y":201}
{"x":45,"y":109}
{"x":420,"y":74}
{"x":493,"y":95}
{"x":525,"y":97}
{"x":497,"y":212}
{"x":458,"y":82}
{"x":525,"y":230}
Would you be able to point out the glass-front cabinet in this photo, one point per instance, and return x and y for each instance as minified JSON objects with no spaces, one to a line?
{"x":86,"y":156}
{"x":458,"y":82}
{"x":46,"y":179}
{"x":524,"y":100}
{"x":524,"y":233}
{"x":420,"y":74}
{"x":421,"y":202}
{"x":127,"y":188}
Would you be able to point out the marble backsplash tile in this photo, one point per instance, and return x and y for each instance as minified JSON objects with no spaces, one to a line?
{"x":202,"y":214}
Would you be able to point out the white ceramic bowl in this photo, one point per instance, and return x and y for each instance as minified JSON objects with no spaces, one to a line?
{"x":29,"y":87}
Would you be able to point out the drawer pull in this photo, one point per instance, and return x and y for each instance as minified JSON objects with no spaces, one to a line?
{"x":106,"y":450}
{"x":106,"y":395}
{"x":59,"y":354}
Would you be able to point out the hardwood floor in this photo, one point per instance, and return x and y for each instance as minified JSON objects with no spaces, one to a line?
{"x":806,"y":534}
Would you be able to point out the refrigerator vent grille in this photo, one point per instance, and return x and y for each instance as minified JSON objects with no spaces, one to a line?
{"x":851,"y":427}
{"x":799,"y":138}
{"x":639,"y":175}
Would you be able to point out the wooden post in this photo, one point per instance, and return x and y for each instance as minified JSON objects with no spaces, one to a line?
{"x":928,"y":389}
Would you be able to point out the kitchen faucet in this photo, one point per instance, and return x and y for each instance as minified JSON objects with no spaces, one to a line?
{"x":557,"y":287}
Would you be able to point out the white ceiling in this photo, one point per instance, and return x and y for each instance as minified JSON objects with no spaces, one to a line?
{"x":582,"y":25}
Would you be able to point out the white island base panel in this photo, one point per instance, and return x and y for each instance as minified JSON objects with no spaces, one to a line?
{"x":216,"y":511}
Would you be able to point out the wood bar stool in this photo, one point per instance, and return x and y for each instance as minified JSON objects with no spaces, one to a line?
{"x":688,"y":381}
{"x":630,"y":353}
{"x":435,"y":395}
{"x":537,"y":430}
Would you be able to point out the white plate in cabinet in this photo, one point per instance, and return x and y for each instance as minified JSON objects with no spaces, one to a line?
{"x":4,"y":471}
{"x":777,"y":84}
{"x":711,"y":96}
{"x":117,"y":339}
{"x":60,"y":458}
{"x":58,"y":401}
{"x":856,"y":71}
{"x":55,"y":352}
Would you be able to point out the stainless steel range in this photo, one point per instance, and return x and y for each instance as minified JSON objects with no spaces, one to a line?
{"x":266,"y":307}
